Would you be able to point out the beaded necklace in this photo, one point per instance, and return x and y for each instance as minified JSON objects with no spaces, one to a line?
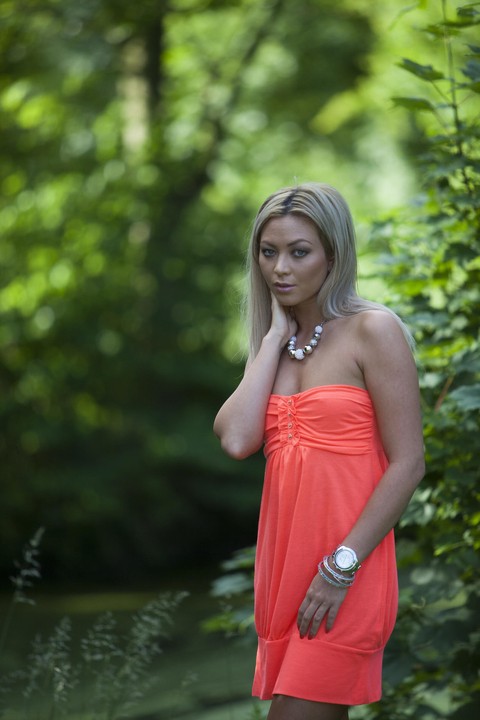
{"x":299,"y":353}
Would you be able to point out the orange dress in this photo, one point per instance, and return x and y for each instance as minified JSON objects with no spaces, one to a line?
{"x":324,"y":459}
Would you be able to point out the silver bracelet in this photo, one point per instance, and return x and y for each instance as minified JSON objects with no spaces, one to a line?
{"x":329,"y":580}
{"x":342,"y":579}
{"x":332,"y":582}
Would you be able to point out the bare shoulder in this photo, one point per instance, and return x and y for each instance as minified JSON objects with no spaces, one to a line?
{"x":380,"y":339}
{"x":382,"y":344}
{"x":377,"y":325}
{"x":379,"y":329}
{"x":390,"y":375}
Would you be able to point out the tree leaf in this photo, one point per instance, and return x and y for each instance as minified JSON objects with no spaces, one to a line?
{"x":472,"y":70}
{"x":467,"y":397}
{"x":474,"y":86}
{"x":413,"y":103}
{"x":467,"y":12}
{"x":424,"y":72}
{"x":438,"y":29}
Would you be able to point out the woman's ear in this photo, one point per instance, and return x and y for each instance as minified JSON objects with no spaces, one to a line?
{"x":330,"y":264}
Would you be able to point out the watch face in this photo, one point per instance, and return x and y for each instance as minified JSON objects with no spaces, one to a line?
{"x":344,"y":559}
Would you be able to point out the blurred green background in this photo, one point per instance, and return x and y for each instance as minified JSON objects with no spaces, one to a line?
{"x":137,"y":141}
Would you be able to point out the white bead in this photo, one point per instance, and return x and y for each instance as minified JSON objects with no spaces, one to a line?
{"x":309,"y":347}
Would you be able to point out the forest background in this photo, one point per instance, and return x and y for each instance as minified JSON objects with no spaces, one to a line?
{"x":137,"y":141}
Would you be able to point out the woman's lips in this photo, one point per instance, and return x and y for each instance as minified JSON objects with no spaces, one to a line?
{"x":283,"y":287}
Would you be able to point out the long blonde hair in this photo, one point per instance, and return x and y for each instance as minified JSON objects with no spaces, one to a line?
{"x":328,"y":210}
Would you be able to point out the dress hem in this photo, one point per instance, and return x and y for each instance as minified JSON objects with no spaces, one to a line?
{"x":290,"y":667}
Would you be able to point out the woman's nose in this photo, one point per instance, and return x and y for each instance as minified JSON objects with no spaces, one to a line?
{"x":281,"y":266}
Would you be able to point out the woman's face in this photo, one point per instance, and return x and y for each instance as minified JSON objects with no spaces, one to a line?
{"x":292,"y":259}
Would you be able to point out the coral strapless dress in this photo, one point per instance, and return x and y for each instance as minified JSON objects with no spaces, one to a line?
{"x":324,"y":459}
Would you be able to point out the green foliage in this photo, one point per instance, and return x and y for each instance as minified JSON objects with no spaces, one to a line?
{"x":136,"y":142}
{"x":433,"y":270}
{"x":104,"y":678}
{"x":257,"y":713}
{"x":235,"y":589}
{"x":28,"y":570}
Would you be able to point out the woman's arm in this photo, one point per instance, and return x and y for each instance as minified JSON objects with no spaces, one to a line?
{"x":390,"y":375}
{"x":391,"y":380}
{"x":240,"y":422}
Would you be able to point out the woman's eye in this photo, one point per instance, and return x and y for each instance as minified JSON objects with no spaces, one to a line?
{"x":300,"y":253}
{"x":267,"y":252}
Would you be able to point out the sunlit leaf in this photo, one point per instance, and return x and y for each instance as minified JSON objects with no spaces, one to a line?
{"x":425,"y":72}
{"x":413,"y":103}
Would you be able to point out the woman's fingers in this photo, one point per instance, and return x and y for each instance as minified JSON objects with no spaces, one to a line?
{"x":310,"y":620}
{"x":320,"y":603}
{"x":317,"y":620}
{"x":282,"y":318}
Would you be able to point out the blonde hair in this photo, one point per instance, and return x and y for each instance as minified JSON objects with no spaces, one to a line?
{"x":328,"y":210}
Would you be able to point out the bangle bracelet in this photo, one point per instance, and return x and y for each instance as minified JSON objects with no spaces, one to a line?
{"x":342,"y":579}
{"x":335,"y":583}
{"x":332,"y":582}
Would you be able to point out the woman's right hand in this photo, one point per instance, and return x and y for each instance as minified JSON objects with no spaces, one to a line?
{"x":240,"y":422}
{"x":283,"y":321}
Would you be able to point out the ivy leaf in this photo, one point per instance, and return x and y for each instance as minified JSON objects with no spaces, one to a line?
{"x":424,"y":72}
{"x":413,"y":103}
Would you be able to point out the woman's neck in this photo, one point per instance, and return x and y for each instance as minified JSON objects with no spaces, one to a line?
{"x":307,"y":319}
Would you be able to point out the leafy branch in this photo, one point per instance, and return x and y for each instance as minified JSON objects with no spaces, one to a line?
{"x":434,"y":272}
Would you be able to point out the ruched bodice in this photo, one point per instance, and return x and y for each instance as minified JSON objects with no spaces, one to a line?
{"x":339,"y":418}
{"x":324,"y":458}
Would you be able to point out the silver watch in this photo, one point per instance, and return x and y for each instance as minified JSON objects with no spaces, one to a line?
{"x":345,"y":559}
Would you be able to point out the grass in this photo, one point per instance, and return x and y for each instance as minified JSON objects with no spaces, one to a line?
{"x":196,"y":675}
{"x":206,"y":677}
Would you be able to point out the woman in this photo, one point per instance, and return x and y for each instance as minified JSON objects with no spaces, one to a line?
{"x":331,"y":390}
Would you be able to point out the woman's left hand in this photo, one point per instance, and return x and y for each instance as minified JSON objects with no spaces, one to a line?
{"x":321,"y":601}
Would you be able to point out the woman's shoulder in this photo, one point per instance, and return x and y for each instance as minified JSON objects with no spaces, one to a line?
{"x":377,"y":319}
{"x":378,"y":325}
